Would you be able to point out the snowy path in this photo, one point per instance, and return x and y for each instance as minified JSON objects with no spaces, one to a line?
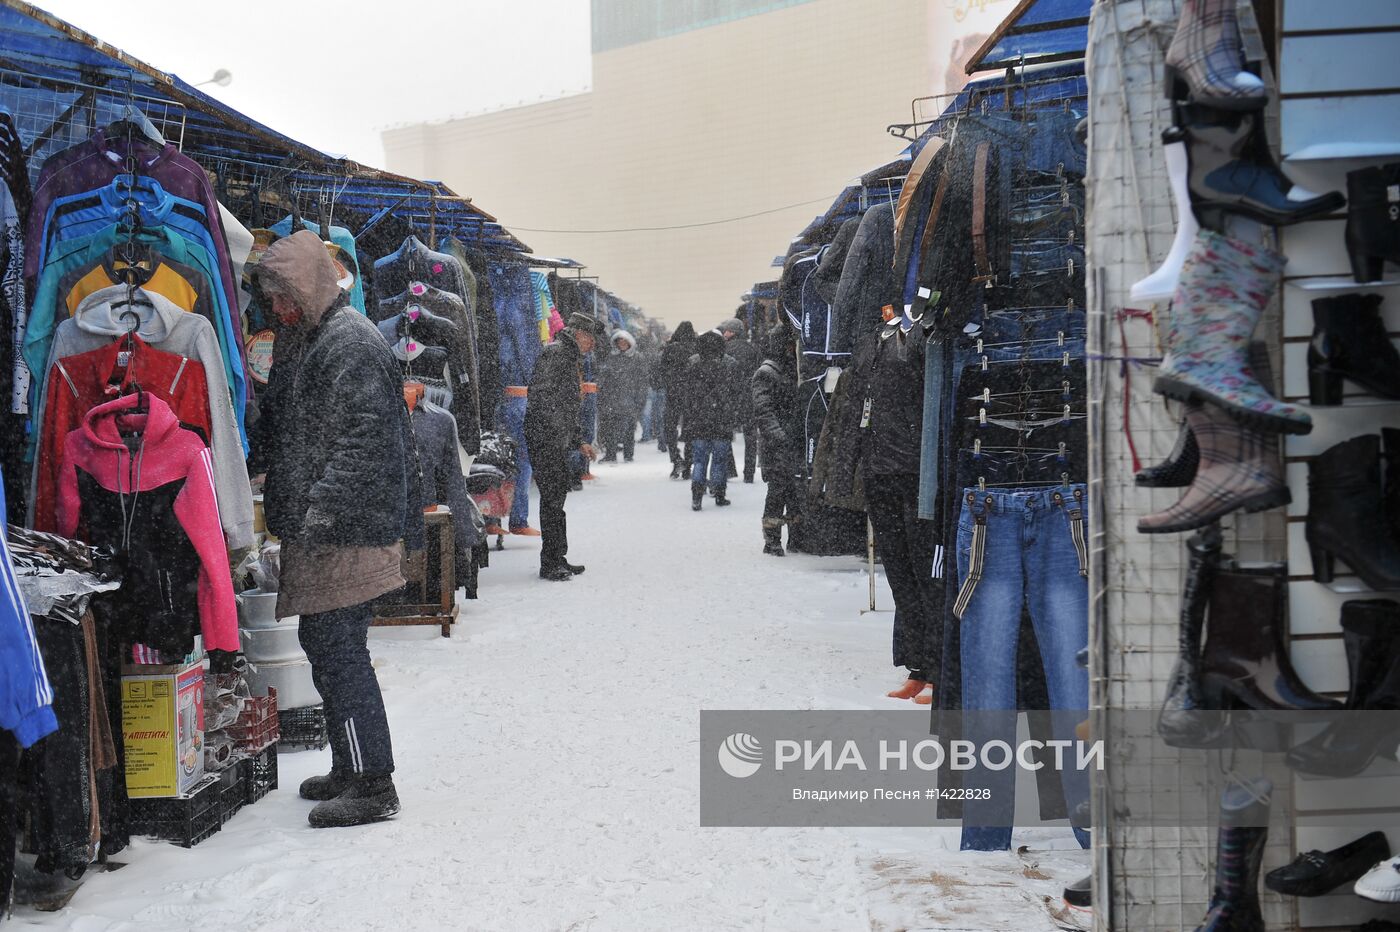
{"x":547,"y":761}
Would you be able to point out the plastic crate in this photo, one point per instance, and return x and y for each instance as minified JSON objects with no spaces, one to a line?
{"x":258,"y":725}
{"x":260,"y":774}
{"x":303,"y":728}
{"x":233,"y":792}
{"x":181,"y":820}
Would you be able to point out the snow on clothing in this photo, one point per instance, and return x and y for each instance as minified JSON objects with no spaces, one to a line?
{"x":774,"y":395}
{"x":339,"y":492}
{"x":670,"y":371}
{"x":553,"y":430}
{"x":144,"y":486}
{"x":163,"y":326}
{"x":710,"y":393}
{"x":26,"y":698}
{"x":622,"y":394}
{"x":337,"y":644}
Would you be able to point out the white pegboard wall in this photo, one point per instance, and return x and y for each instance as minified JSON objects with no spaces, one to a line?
{"x":1148,"y":879}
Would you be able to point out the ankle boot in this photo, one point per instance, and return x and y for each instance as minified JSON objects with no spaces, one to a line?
{"x":1179,"y":468}
{"x":1205,"y":61}
{"x":697,"y":495}
{"x":1245,"y":663}
{"x":1225,"y":286}
{"x":1184,"y":721}
{"x":1244,"y":819}
{"x":1373,"y":220}
{"x":1240,"y":470}
{"x":1346,"y":517}
{"x":720,"y":497}
{"x":773,"y":536}
{"x":1390,"y":478}
{"x":1233,"y":172}
{"x":1161,"y":284}
{"x":1349,"y":342}
{"x":1371,"y":636}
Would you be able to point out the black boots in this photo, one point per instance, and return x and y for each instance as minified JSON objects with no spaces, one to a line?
{"x":697,"y":495}
{"x":1234,"y":901}
{"x":1346,"y":515}
{"x":1184,"y":720}
{"x":320,"y":789}
{"x":1232,"y":171}
{"x":1371,"y":636}
{"x":773,"y":537}
{"x":1373,"y":220}
{"x":1245,"y":662}
{"x":677,"y":471}
{"x":720,"y":500}
{"x":364,"y":800}
{"x":1349,"y":342}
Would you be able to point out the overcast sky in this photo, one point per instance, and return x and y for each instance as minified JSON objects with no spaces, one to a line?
{"x":320,"y":73}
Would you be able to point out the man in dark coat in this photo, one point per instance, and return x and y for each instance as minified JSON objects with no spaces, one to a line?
{"x":710,"y":415}
{"x":675,"y":355}
{"x":340,"y":497}
{"x":622,"y":393}
{"x":553,"y":430}
{"x":748,"y":356}
{"x":777,"y":420}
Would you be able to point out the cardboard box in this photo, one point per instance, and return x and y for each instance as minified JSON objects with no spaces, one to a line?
{"x":163,"y":728}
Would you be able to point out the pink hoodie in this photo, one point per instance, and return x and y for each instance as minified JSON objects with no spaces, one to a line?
{"x":168,"y":454}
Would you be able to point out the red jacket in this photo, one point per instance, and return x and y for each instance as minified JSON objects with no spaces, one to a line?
{"x":77,"y":384}
{"x":143,"y":485}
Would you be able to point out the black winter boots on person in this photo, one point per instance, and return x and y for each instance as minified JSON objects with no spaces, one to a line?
{"x":773,"y":537}
{"x":697,"y":495}
{"x":319,"y":789}
{"x":365,"y":799}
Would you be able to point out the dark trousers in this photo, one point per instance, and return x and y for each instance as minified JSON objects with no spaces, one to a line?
{"x":905,"y":545}
{"x":782,"y":501}
{"x":672,"y":432}
{"x":552,"y":476}
{"x":337,"y":644}
{"x":618,"y":429}
{"x":9,"y":816}
{"x":750,"y":451}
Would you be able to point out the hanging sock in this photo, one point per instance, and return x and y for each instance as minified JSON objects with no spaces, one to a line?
{"x":1161,"y":284}
{"x":1205,"y":62}
{"x":1225,"y":286}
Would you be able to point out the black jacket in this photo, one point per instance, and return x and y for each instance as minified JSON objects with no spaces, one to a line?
{"x":775,"y":414}
{"x":552,"y":410}
{"x":675,"y":355}
{"x":341,"y":472}
{"x":868,"y":280}
{"x":748,"y":357}
{"x":622,"y":383}
{"x":826,"y":278}
{"x":710,"y":394}
{"x":895,"y":387}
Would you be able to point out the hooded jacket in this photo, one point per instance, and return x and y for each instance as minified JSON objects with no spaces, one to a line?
{"x":710,"y":408}
{"x":622,"y":379}
{"x":675,"y":355}
{"x":774,"y":393}
{"x":163,"y":326}
{"x":143,"y":485}
{"x":748,"y":357}
{"x":341,"y":487}
{"x":868,"y":280}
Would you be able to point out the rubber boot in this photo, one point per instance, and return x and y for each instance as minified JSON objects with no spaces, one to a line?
{"x":1371,"y":637}
{"x":1241,"y":469}
{"x":364,"y":800}
{"x":1224,"y":288}
{"x":1373,"y":221}
{"x":1349,"y":342}
{"x":720,"y":499}
{"x":1184,"y":720}
{"x":1244,"y":817}
{"x":1245,"y":663}
{"x":1233,"y":172}
{"x":1161,"y":284}
{"x":773,"y":536}
{"x":1205,"y":61}
{"x":1345,"y":506}
{"x":697,"y":495}
{"x":1178,"y":470}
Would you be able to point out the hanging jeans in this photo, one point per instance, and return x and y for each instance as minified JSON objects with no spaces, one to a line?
{"x":337,"y":644}
{"x":1018,"y":548}
{"x":512,"y":417}
{"x":711,"y":456}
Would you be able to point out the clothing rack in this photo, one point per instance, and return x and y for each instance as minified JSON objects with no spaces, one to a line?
{"x":979,"y":97}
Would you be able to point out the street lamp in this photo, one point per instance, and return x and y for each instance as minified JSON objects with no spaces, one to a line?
{"x":223,"y":77}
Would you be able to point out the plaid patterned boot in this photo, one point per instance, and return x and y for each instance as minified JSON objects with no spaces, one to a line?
{"x":1205,"y":62}
{"x":1240,"y":469}
{"x":1224,"y":288}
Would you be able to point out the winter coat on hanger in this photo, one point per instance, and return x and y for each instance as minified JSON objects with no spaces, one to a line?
{"x":826,"y":277}
{"x":143,"y":485}
{"x":868,"y":281}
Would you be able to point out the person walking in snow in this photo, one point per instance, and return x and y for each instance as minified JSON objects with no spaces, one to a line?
{"x":748,"y":356}
{"x":622,"y":393}
{"x":340,"y":498}
{"x":553,"y":430}
{"x":675,"y":355}
{"x":709,"y":415}
{"x":775,"y":415}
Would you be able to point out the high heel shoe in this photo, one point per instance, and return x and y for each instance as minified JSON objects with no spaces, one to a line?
{"x":1346,"y":515}
{"x":1349,"y":341}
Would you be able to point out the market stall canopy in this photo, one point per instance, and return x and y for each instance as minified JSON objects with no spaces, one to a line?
{"x":1036,"y":32}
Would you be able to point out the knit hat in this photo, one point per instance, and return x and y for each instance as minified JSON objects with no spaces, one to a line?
{"x":587,"y":324}
{"x":735,"y":326}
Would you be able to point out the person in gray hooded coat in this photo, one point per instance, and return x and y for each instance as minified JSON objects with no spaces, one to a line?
{"x":622,"y":393}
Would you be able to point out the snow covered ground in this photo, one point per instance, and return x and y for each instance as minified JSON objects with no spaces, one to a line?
{"x":547,"y":761}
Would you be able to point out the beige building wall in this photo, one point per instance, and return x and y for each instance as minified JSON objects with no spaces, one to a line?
{"x":777,"y":109}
